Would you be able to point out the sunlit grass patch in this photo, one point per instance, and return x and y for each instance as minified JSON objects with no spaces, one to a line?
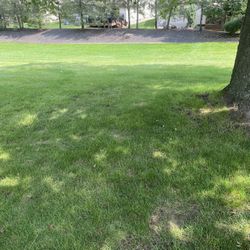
{"x":4,"y":155}
{"x":9,"y":182}
{"x":27,"y":119}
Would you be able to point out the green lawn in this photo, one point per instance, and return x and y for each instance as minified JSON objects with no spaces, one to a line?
{"x":111,"y":147}
{"x":149,"y":24}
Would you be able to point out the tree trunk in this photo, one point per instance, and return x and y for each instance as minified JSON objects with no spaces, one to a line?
{"x":18,"y":18}
{"x":82,"y":21}
{"x":129,"y":19}
{"x":40,"y":24}
{"x":137,"y":14}
{"x":19,"y":22}
{"x":169,"y":18}
{"x":4,"y":22}
{"x":223,"y":21}
{"x":81,"y":14}
{"x":239,"y":88}
{"x":201,"y":18}
{"x":60,"y":20}
{"x":59,"y":17}
{"x":156,"y":14}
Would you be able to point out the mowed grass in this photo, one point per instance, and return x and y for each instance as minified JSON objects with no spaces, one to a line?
{"x":55,"y":25}
{"x":112,"y":147}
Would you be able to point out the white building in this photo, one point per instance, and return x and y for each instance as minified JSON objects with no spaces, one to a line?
{"x":147,"y":14}
{"x":181,"y":22}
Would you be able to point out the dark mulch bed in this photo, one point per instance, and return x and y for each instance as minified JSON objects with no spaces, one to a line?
{"x":114,"y":36}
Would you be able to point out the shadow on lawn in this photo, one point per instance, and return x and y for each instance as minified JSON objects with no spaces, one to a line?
{"x":132,"y":160}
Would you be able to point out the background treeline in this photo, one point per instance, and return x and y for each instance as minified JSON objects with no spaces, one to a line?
{"x":34,"y":13}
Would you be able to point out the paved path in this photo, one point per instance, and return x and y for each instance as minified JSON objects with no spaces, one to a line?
{"x":113,"y":36}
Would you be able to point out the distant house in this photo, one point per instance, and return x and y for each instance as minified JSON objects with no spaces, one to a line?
{"x":147,"y":14}
{"x":177,"y":21}
{"x":123,"y":13}
{"x":181,"y":22}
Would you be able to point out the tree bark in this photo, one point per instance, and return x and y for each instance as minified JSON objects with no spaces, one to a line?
{"x":129,"y":19}
{"x":81,"y":14}
{"x":169,"y":18}
{"x":201,"y":18}
{"x":18,"y":18}
{"x":82,"y":21}
{"x":156,"y":14}
{"x":59,"y":17}
{"x":239,"y":88}
{"x":137,"y":14}
{"x":19,"y":22}
{"x":60,"y":21}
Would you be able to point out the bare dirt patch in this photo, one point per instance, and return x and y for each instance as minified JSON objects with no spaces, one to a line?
{"x":170,"y":219}
{"x":166,"y":217}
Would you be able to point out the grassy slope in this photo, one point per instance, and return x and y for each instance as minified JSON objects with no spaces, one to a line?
{"x":108,"y":146}
{"x":149,"y":24}
{"x":55,"y":25}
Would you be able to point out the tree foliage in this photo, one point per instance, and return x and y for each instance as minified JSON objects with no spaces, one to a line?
{"x":32,"y":13}
{"x":222,"y":11}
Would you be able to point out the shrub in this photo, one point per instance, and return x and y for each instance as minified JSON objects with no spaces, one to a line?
{"x":233,"y":26}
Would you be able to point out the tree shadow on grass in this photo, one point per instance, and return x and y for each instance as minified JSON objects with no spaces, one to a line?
{"x":121,"y":157}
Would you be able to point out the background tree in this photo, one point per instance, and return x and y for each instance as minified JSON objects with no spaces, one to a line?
{"x":128,"y":4}
{"x":107,"y":11}
{"x":222,"y":11}
{"x":66,"y":10}
{"x":202,"y":4}
{"x":33,"y":13}
{"x":239,"y":88}
{"x":82,"y":8}
{"x":4,"y":13}
{"x":139,"y":5}
{"x":168,"y":8}
{"x":189,"y":11}
{"x":19,"y":10}
{"x":156,"y":13}
{"x":56,"y":8}
{"x":155,"y":7}
{"x":36,"y":12}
